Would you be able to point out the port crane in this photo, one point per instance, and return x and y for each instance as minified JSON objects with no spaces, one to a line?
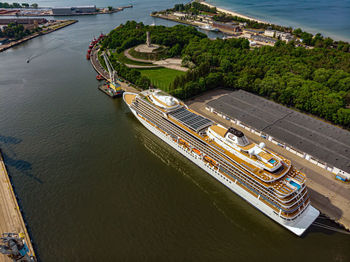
{"x":113,"y":85}
{"x":14,"y":246}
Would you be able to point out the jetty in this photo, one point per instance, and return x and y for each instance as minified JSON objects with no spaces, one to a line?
{"x":127,"y":87}
{"x":11,"y":220}
{"x":52,"y":26}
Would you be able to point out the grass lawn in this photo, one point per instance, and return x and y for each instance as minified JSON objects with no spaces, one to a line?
{"x":161,"y":77}
{"x":123,"y":59}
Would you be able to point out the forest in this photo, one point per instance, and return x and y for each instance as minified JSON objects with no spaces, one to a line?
{"x":315,"y":81}
{"x":15,"y":31}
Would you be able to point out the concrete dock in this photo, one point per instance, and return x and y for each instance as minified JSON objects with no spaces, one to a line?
{"x":100,"y":70}
{"x":11,"y":220}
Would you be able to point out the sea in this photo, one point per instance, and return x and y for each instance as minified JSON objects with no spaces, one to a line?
{"x":330,"y":18}
{"x":94,"y":185}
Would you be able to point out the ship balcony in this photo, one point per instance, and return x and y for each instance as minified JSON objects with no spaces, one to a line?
{"x":296,"y":213}
{"x":291,"y":197}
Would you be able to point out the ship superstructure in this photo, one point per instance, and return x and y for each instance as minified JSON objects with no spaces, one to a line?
{"x":265,"y":179}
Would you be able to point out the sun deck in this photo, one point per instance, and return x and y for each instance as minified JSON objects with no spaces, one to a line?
{"x":129,"y":97}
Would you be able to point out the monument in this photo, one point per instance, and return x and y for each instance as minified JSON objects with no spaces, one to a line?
{"x":148,"y":40}
{"x":148,"y":48}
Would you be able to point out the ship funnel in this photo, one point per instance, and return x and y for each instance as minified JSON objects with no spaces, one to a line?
{"x":262,"y":145}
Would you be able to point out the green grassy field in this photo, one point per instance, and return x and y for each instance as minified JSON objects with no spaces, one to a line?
{"x":123,"y":59}
{"x":161,"y":77}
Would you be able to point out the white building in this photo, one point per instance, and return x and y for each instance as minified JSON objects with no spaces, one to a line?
{"x":270,"y":33}
{"x":73,"y":10}
{"x":278,"y":34}
{"x":179,"y":14}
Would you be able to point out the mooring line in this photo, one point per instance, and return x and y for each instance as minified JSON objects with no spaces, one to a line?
{"x":331,"y":228}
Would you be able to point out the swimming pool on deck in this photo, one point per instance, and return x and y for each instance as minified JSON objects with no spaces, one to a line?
{"x":293,"y":183}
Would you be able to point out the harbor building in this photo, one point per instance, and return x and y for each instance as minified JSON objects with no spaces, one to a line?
{"x":278,"y":34}
{"x":178,"y":14}
{"x":253,"y":31}
{"x":74,"y":10}
{"x":227,"y":26}
{"x":264,"y":39}
{"x":23,"y":21}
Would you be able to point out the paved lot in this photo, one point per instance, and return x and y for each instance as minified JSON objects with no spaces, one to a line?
{"x":325,"y":142}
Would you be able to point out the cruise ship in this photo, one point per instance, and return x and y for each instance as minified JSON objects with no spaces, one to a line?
{"x":266,"y":180}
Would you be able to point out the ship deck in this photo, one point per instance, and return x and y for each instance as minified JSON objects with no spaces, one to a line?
{"x":200,"y":142}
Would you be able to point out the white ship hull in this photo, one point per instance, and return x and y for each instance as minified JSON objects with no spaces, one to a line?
{"x":297,"y":226}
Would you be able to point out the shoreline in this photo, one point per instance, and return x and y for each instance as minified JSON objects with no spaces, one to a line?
{"x":314,"y":31}
{"x":27,"y":38}
{"x":233,"y":13}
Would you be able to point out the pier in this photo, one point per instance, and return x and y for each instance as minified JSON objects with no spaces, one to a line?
{"x":100,"y":70}
{"x":11,"y":220}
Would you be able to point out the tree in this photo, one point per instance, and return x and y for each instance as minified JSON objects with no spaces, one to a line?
{"x":297,"y":32}
{"x":322,"y":75}
{"x":342,"y":117}
{"x":35,"y":5}
{"x":110,"y":8}
{"x":179,"y":7}
{"x":16,"y":5}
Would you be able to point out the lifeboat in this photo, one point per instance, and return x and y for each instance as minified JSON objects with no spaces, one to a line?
{"x":89,"y":51}
{"x":183,"y":142}
{"x":197,"y":151}
{"x":91,"y":46}
{"x":99,"y":77}
{"x":210,"y":160}
{"x":88,"y":56}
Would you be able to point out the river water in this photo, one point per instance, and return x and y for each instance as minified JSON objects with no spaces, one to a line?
{"x":95,"y":185}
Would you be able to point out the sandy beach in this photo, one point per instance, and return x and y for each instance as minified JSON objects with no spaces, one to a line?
{"x":234,"y":13}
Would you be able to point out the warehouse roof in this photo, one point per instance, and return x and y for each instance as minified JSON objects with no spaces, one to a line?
{"x":321,"y":140}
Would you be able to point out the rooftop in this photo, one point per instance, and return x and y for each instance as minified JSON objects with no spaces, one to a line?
{"x":321,"y":140}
